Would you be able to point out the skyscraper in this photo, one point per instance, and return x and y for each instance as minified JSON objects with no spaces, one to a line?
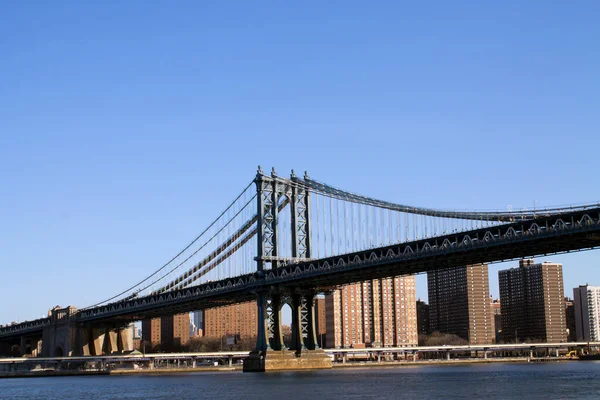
{"x":380,"y":312}
{"x":532,"y":302}
{"x":198,"y":319}
{"x":424,"y":327}
{"x":459,"y":303}
{"x":570,"y":319}
{"x":320,"y":320}
{"x":586,"y":301}
{"x":497,"y":318}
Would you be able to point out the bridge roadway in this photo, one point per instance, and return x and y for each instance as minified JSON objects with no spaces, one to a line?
{"x":573,"y":231}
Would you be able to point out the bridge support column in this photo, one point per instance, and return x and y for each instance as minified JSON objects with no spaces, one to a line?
{"x":297,"y":327}
{"x":97,"y":340}
{"x":311,"y":342}
{"x":111,"y":339}
{"x":261,"y":334}
{"x":22,"y":345}
{"x":83,"y":341}
{"x":125,"y":339}
{"x":304,"y":334}
{"x":274,"y":333}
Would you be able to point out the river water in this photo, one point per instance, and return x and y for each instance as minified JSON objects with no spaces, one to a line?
{"x":567,"y":380}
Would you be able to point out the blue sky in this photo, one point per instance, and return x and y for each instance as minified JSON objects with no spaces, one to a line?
{"x":126,"y":128}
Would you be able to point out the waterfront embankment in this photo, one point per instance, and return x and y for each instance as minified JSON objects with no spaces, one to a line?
{"x":347,"y":365}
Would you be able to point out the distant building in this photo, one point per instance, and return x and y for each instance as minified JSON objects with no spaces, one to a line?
{"x":423,"y":324}
{"x":237,"y":319}
{"x":532,"y":303}
{"x":459,"y":303}
{"x":320,"y":321}
{"x":151,"y":332}
{"x":379,"y":312}
{"x":169,"y":332}
{"x":496,"y":319}
{"x":586,"y":301}
{"x":570,"y":319}
{"x":137,"y":332}
{"x":198,"y":320}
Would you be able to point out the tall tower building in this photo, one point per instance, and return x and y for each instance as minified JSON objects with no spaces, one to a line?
{"x":380,"y":312}
{"x":532,"y":302}
{"x":570,"y":319}
{"x":320,"y":320}
{"x":423,"y":324}
{"x":151,"y":332}
{"x":459,"y":303}
{"x":198,"y":320}
{"x":586,"y":301}
{"x":236,"y":319}
{"x":497,"y":318}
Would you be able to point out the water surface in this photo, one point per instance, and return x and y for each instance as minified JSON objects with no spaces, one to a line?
{"x":568,"y":380}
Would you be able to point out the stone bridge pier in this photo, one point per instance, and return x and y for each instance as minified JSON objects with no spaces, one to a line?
{"x":72,"y":339}
{"x":271,"y":353}
{"x":30,"y":346}
{"x":65,"y":337}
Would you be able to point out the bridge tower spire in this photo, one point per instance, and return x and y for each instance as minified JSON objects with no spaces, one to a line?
{"x":300,"y":210}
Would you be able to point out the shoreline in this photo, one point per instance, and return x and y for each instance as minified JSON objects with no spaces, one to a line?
{"x":348,"y":365}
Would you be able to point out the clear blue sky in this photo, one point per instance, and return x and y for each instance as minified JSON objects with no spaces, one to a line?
{"x":125,"y":127}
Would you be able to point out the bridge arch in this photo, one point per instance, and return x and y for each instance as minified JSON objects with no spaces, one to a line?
{"x":59,"y":352}
{"x":286,"y":315}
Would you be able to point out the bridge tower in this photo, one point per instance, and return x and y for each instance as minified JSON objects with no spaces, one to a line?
{"x":275,"y":194}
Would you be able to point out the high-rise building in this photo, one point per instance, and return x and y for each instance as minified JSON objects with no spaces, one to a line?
{"x":423,"y":324}
{"x":198,"y":321}
{"x":170,"y":332}
{"x":532,"y":302}
{"x":496,"y":319}
{"x":320,"y":321}
{"x":459,"y":303}
{"x":175,"y":330}
{"x":236,"y":319}
{"x":380,"y":312}
{"x":151,"y":332}
{"x":586,"y":301}
{"x":570,"y":319}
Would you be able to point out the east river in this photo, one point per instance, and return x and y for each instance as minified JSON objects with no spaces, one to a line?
{"x":566,"y":380}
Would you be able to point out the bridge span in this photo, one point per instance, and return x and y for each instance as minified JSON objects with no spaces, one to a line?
{"x":305,"y":237}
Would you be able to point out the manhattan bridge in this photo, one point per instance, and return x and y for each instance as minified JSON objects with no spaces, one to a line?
{"x":284,"y":240}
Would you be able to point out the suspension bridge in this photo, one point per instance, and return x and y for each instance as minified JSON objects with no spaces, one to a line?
{"x":283,"y":240}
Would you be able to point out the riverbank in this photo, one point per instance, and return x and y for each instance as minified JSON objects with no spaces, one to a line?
{"x":457,"y":361}
{"x":124,"y":371}
{"x":348,"y":365}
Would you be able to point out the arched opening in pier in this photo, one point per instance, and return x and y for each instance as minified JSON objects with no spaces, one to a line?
{"x":58,"y":352}
{"x":286,"y":324}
